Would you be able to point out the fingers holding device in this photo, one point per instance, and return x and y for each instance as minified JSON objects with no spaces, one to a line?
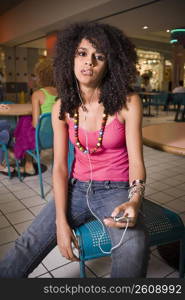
{"x":122,"y":219}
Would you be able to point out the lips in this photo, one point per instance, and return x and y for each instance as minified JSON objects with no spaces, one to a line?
{"x":87,"y":72}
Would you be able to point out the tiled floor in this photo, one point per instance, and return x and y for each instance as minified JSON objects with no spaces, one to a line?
{"x":21,"y":202}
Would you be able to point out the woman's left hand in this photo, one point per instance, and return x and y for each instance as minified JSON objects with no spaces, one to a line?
{"x":128,"y":209}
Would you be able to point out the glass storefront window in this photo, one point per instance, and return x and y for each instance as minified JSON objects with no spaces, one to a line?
{"x":17,"y":65}
{"x":151,"y":66}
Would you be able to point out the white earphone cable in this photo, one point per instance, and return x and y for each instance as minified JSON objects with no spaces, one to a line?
{"x":89,"y":187}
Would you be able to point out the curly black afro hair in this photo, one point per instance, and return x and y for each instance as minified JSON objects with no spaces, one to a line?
{"x":121,"y":65}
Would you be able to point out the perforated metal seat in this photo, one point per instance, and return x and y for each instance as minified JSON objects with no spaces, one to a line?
{"x":164,"y":226}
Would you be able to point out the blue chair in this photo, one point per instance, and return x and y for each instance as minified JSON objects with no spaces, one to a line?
{"x":164,"y":227}
{"x":43,"y":140}
{"x":158,"y":100}
{"x":178,"y":100}
{"x":145,"y":103}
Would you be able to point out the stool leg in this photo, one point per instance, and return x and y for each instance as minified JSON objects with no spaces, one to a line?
{"x":182,"y":258}
{"x":82,"y":269}
{"x":18,"y":169}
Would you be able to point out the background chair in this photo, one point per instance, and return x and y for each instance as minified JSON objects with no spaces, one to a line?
{"x":146,"y":104}
{"x":164,"y":226}
{"x":43,"y":140}
{"x":178,"y":99}
{"x":158,"y":100}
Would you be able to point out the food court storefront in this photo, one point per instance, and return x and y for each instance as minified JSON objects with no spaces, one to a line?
{"x":157,"y":68}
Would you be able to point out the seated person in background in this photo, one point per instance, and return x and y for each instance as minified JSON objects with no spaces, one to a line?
{"x":137,"y":85}
{"x":179,"y":88}
{"x":4,"y":138}
{"x":146,"y":86}
{"x":42,"y":102}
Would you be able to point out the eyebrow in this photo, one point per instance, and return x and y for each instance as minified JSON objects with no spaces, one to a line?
{"x":82,"y":48}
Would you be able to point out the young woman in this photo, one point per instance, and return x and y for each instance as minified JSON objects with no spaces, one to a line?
{"x":94,"y":69}
{"x":42,"y":102}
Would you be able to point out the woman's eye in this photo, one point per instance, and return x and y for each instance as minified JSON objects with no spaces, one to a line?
{"x":100,"y":57}
{"x":81,"y":53}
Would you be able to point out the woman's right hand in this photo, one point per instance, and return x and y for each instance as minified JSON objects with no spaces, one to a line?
{"x":65,"y":238}
{"x":4,"y":107}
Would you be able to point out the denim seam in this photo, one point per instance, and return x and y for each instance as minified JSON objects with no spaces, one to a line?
{"x":45,"y":246}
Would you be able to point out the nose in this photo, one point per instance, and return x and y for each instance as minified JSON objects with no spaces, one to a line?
{"x":89,"y":63}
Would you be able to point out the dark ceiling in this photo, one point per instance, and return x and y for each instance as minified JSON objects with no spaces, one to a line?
{"x":8,"y":4}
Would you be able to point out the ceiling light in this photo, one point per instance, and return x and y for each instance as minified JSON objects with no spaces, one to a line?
{"x":173,"y":41}
{"x":145,"y":27}
{"x":178,"y":30}
{"x":178,"y":36}
{"x":168,"y":30}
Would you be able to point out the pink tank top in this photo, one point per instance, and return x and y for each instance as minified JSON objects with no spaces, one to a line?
{"x":108,"y":163}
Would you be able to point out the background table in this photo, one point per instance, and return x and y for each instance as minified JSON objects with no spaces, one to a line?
{"x":169,"y":137}
{"x":17,"y":110}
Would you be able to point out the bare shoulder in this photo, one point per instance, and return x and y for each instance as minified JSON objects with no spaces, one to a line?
{"x":56,"y":108}
{"x":56,"y":105}
{"x":133,"y":106}
{"x":37,"y":93}
{"x":133,"y":100}
{"x":37,"y":96}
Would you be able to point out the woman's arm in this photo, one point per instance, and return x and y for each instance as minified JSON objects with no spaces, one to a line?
{"x":60,"y":169}
{"x":133,"y":122}
{"x":60,"y":184}
{"x":35,"y":99}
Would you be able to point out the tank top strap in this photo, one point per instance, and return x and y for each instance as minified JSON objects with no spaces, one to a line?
{"x":44,"y":91}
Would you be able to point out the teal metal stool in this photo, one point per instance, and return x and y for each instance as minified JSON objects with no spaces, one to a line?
{"x":164,"y":226}
{"x":43,"y":140}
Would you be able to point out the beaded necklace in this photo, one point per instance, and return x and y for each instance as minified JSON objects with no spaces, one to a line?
{"x":100,"y":136}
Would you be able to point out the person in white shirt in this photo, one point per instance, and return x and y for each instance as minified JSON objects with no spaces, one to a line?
{"x":180,"y":88}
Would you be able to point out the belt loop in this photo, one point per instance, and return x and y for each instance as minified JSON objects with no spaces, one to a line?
{"x":107,"y":184}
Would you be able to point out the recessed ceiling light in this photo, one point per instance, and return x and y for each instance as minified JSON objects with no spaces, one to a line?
{"x":145,"y":27}
{"x":173,"y":41}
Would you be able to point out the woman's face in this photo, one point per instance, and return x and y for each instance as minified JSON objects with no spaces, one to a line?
{"x":89,"y":64}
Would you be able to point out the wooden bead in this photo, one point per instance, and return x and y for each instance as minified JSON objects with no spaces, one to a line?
{"x":100,"y":136}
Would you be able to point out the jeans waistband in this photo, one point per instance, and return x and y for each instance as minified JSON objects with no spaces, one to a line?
{"x":103,"y":184}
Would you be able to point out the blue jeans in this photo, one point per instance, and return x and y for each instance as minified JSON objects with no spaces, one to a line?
{"x":128,"y":260}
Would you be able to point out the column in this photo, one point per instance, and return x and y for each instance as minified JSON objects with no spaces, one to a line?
{"x":178,"y":61}
{"x":50,"y":43}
